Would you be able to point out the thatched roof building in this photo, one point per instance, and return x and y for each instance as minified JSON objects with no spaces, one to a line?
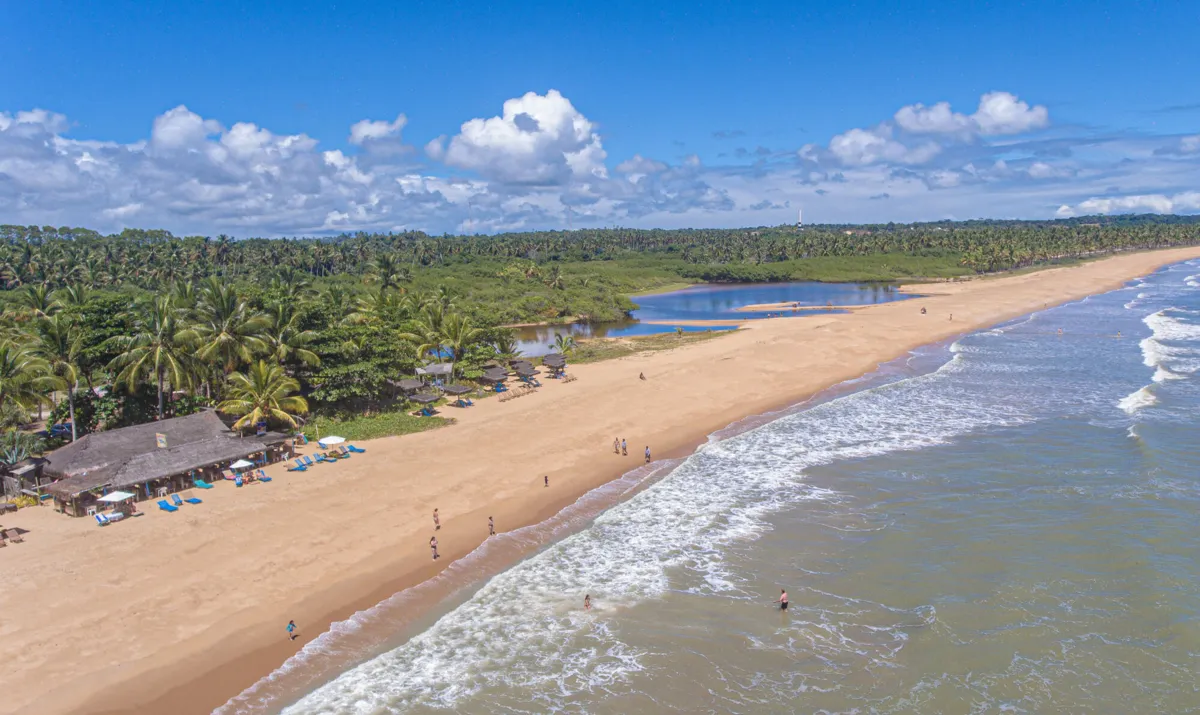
{"x":131,"y":456}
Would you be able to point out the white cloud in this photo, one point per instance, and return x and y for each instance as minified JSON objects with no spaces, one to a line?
{"x":640,"y":165}
{"x":1190,"y":145}
{"x":180,"y":128}
{"x":1003,"y":113}
{"x":998,"y":113}
{"x":537,"y":139}
{"x":367,"y":129}
{"x":859,"y":147}
{"x":938,"y":119}
{"x":1152,"y":203}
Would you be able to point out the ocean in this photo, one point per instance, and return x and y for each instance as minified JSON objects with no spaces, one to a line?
{"x":1005,"y":523}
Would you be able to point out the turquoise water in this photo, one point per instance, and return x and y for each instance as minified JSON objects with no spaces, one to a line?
{"x":715,"y":302}
{"x":1004,"y":524}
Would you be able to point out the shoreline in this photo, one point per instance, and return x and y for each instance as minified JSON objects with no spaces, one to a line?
{"x":667,"y":413}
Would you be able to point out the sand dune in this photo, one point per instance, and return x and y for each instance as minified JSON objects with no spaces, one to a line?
{"x":112,"y":619}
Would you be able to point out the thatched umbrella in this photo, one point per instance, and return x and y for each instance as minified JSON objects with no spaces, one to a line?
{"x":456,"y":389}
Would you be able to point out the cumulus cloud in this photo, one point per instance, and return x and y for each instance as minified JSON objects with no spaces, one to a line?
{"x":537,"y":139}
{"x":540,"y":163}
{"x":858,"y":147}
{"x":998,"y":113}
{"x":368,"y":129}
{"x":1184,"y":202}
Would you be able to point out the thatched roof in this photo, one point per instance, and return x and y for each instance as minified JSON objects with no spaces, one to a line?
{"x":457,"y":389}
{"x":425,"y":398}
{"x":130,"y":455}
{"x":436,"y":368}
{"x":408,"y":384}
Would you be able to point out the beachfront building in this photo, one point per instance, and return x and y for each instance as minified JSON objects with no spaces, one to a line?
{"x":152,"y":460}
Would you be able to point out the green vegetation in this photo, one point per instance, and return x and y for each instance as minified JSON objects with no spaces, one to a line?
{"x":108,"y":331}
{"x":597,"y":350}
{"x":384,"y":424}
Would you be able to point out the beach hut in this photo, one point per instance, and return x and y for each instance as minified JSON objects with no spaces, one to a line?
{"x":149,"y":459}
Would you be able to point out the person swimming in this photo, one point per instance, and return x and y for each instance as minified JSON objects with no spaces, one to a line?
{"x":587,"y":602}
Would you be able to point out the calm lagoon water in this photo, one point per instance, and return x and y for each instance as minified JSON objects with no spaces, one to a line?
{"x":1004,"y":524}
{"x":715,"y":302}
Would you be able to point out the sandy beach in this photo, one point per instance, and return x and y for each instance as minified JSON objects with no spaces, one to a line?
{"x":176,"y":613}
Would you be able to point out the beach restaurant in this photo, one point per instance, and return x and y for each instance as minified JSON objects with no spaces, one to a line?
{"x":151,"y":460}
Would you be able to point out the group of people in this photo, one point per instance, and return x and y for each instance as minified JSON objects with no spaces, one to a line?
{"x":437,"y":526}
{"x":619,"y":447}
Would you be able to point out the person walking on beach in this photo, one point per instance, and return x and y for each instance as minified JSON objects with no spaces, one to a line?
{"x":616,"y":445}
{"x":433,"y":547}
{"x":647,"y":454}
{"x":782,"y":600}
{"x":587,"y":602}
{"x":491,"y":526}
{"x":291,"y":629}
{"x":624,"y":451}
{"x":437,"y":521}
{"x":547,"y":480}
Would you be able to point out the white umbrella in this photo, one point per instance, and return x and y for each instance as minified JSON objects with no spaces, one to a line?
{"x":331,"y":440}
{"x":241,"y":464}
{"x":114,"y":497}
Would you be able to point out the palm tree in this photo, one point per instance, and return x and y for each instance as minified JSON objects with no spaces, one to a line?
{"x":458,"y":334}
{"x":25,"y":378}
{"x":227,"y":331}
{"x":506,"y":347}
{"x":155,"y":349}
{"x":61,"y":342}
{"x":71,"y":297}
{"x":563,"y":343}
{"x":388,"y":271}
{"x":555,"y":279}
{"x":426,"y":337}
{"x":285,"y":339}
{"x":263,"y":393}
{"x":36,"y":301}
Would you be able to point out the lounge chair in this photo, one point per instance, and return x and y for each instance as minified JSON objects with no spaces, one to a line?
{"x":13,"y":535}
{"x":101,"y":519}
{"x":308,"y":461}
{"x":238,"y":481}
{"x":262,"y":476}
{"x":201,"y":484}
{"x":114,"y":516}
{"x":298,"y":467}
{"x":352,"y":448}
{"x":187,"y":497}
{"x":323,"y":458}
{"x":344,"y":451}
{"x":176,"y":500}
{"x":426,"y":412}
{"x":162,"y":504}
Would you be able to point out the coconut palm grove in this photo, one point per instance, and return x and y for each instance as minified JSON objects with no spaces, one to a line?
{"x":105,"y":331}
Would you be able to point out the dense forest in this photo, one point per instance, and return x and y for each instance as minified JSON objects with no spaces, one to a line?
{"x":108,"y":330}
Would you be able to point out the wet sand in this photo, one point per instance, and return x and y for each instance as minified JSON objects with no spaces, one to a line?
{"x":175,"y":613}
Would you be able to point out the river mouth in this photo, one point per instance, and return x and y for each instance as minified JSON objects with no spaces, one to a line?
{"x":716,"y":307}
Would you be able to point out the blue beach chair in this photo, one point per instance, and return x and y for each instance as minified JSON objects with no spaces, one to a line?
{"x":162,"y":504}
{"x":352,"y":448}
{"x":177,"y":501}
{"x":201,"y":484}
{"x":308,"y":461}
{"x":323,"y":458}
{"x":297,"y":467}
{"x":238,"y":481}
{"x":192,"y":500}
{"x":101,"y":519}
{"x":262,"y":476}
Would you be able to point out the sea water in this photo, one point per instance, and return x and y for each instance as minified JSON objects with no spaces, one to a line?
{"x":1008,"y":523}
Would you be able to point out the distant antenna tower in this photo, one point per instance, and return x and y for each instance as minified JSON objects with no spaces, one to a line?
{"x":799,"y":218}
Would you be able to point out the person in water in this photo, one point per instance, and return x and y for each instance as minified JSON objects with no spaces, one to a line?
{"x":782,"y":600}
{"x":587,"y":602}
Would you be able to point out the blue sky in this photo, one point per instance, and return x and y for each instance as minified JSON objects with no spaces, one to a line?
{"x":636,"y":114}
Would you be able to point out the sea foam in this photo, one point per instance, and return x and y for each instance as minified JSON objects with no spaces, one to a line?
{"x":1137,"y":400}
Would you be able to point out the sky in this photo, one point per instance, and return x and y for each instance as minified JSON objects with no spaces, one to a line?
{"x":316,"y":118}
